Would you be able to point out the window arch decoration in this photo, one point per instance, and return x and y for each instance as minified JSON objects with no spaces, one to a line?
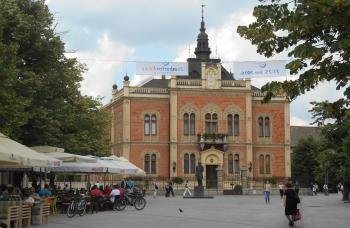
{"x":186,"y":124}
{"x":236,"y":163}
{"x":186,"y":163}
{"x":151,"y":161}
{"x":189,"y":163}
{"x":230,"y":164}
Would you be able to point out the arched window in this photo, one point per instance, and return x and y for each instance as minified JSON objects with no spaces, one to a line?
{"x":186,"y":124}
{"x":261,"y":126}
{"x":154,"y":124}
{"x":193,"y":163}
{"x":207,"y":123}
{"x":214,"y":123}
{"x":230,"y":164}
{"x":268,"y":164}
{"x":153,"y":164}
{"x":192,"y":124}
{"x":229,"y":124}
{"x":146,"y":125}
{"x":261,"y":164}
{"x":236,"y":125}
{"x":186,"y":163}
{"x":267,"y":127}
{"x":236,"y":163}
{"x":147,"y":161}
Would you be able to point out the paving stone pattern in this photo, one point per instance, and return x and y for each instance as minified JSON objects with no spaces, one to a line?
{"x":223,"y":211}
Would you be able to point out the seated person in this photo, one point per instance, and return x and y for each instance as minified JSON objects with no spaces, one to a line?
{"x":122,"y":192}
{"x":31,"y":198}
{"x":45,"y":192}
{"x":115,"y":193}
{"x":107,"y":191}
{"x":95,"y":191}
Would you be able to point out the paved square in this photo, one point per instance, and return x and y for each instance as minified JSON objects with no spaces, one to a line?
{"x":222,"y":211}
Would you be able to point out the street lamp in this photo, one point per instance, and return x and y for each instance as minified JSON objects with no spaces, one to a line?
{"x":201,"y":143}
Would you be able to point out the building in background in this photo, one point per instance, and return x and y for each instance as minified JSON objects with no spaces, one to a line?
{"x":166,"y":126}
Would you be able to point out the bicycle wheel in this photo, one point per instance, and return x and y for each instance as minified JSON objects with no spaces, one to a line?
{"x":139,"y":203}
{"x":120,"y":205}
{"x":71,"y":210}
{"x":82,"y":208}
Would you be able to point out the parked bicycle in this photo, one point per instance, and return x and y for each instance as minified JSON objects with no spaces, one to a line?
{"x":134,"y":198}
{"x":77,"y":206}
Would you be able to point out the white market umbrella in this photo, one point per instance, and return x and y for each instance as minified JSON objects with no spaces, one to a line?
{"x":132,"y":169}
{"x":68,"y":157}
{"x":16,"y":155}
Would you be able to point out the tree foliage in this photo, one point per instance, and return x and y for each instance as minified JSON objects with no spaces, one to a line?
{"x":304,"y":161}
{"x":39,"y":86}
{"x":316,"y":34}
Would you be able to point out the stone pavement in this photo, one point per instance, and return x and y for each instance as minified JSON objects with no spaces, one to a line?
{"x":223,"y":211}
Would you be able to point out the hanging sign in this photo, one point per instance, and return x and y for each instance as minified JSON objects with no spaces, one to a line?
{"x":162,"y":68}
{"x":253,"y":69}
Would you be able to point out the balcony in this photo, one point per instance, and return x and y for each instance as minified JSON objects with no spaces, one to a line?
{"x":217,"y":140}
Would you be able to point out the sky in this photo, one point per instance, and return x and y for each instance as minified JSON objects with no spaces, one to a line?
{"x":109,"y":36}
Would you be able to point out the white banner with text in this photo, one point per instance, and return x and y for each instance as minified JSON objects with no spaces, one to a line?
{"x":162,"y":68}
{"x":254,"y":69}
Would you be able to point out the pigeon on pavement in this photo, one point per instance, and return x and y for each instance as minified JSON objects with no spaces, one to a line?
{"x":181,"y":210}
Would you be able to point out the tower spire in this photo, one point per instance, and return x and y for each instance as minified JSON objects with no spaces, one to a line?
{"x":202,"y":50}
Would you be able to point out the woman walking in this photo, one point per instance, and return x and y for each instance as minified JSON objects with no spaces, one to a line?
{"x":155,"y":188}
{"x":290,"y":201}
{"x":281,"y":186}
{"x":267,"y":190}
{"x":187,"y":190}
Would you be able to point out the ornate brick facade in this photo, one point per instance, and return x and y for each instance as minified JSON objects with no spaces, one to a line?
{"x":160,"y":126}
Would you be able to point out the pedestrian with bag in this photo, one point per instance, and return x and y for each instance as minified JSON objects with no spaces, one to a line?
{"x":290,"y":201}
{"x":187,"y":190}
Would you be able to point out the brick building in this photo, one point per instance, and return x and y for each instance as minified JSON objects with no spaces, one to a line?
{"x":167,"y":126}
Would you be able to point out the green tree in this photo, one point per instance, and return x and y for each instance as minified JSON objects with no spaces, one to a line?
{"x":315,"y":33}
{"x":39,"y":92}
{"x":336,"y":131}
{"x":304,"y":163}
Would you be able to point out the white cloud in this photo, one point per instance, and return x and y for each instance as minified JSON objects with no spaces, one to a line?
{"x":296,"y":121}
{"x":100,"y":75}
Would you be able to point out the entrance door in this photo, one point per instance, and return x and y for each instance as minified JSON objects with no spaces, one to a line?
{"x":211,"y":176}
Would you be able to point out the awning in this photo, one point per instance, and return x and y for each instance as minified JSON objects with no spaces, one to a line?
{"x":16,"y":155}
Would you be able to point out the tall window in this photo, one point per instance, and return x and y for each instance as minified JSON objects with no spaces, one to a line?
{"x":267,"y":127}
{"x":236,"y":164}
{"x":192,"y":124}
{"x":229,"y":124}
{"x":153,"y":164}
{"x":147,"y":125}
{"x":147,"y":163}
{"x":211,"y":123}
{"x":186,"y":127}
{"x":264,"y":126}
{"x":154,"y":124}
{"x":207,"y":123}
{"x":189,"y":163}
{"x":267,"y":164}
{"x":236,"y":125}
{"x":193,"y":163}
{"x":186,"y":164}
{"x":261,"y":164}
{"x":261,"y":126}
{"x":230,"y":164}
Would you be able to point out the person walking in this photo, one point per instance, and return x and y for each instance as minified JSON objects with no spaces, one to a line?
{"x":267,"y":190}
{"x":187,"y":190}
{"x":281,"y":186}
{"x":290,"y":201}
{"x":155,"y":188}
{"x":171,"y":190}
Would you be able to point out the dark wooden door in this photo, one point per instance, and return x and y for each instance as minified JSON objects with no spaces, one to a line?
{"x":211,"y":176}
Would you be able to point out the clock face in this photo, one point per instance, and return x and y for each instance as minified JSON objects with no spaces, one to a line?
{"x":211,"y":79}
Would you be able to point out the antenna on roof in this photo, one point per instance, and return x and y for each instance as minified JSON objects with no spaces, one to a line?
{"x":189,"y":51}
{"x":216,"y":51}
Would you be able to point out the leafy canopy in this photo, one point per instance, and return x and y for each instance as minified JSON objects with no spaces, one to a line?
{"x":39,"y":86}
{"x":316,"y":33}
